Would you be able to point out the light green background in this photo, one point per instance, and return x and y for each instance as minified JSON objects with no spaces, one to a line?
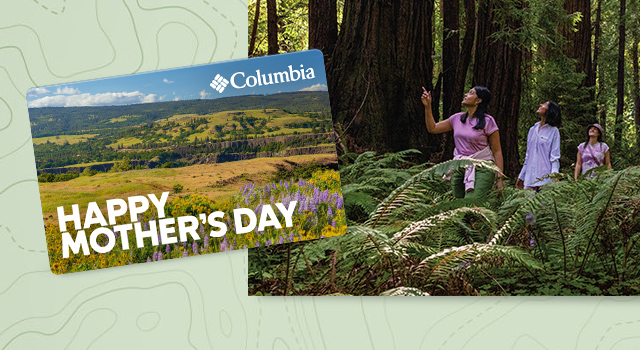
{"x":201,"y":302}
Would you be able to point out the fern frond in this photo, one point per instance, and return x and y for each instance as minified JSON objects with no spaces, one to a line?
{"x":404,"y":291}
{"x":437,"y":171}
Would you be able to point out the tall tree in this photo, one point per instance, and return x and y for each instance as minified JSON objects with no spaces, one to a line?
{"x":617,"y":143}
{"x":272,"y":27}
{"x":636,"y":87}
{"x":498,"y":62}
{"x":579,"y":40}
{"x":323,"y":25}
{"x":456,"y":60}
{"x":254,"y":29}
{"x":636,"y":69}
{"x":597,"y":69}
{"x":450,"y":53}
{"x":381,"y":60}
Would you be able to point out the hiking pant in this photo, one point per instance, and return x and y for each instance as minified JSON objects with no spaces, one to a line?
{"x":484,"y":182}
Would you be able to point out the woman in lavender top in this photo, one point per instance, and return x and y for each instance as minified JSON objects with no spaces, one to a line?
{"x":593,"y":152}
{"x":475,"y":135}
{"x":543,"y":149}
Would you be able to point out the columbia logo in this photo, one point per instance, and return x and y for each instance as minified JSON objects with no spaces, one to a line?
{"x":219,"y":83}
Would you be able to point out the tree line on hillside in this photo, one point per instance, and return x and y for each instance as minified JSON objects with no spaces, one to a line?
{"x":51,"y":121}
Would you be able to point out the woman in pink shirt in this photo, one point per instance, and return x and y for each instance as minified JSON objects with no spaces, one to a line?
{"x":475,"y":135}
{"x":593,"y":152}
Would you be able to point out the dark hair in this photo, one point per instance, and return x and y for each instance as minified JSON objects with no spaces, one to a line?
{"x":484,"y":94}
{"x":553,"y":116}
{"x":589,"y":138}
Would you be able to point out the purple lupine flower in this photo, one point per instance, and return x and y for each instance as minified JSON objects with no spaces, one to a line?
{"x":291,"y":236}
{"x":530,"y":219}
{"x":329,"y":212}
{"x":202,"y":230}
{"x":316,"y":196}
{"x":281,"y":241}
{"x":206,"y":242}
{"x":339,"y":203}
{"x":184,"y":244}
{"x":244,"y":247}
{"x":281,"y":184}
{"x":145,"y":225}
{"x":168,"y":249}
{"x":159,"y":256}
{"x":301,"y":183}
{"x":185,"y":254}
{"x":195,"y":248}
{"x":267,"y":243}
{"x":148,"y":259}
{"x":334,"y":223}
{"x":257,"y":244}
{"x":155,"y":256}
{"x":225,"y":244}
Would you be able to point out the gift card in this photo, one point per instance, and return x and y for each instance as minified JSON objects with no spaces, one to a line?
{"x":185,"y":162}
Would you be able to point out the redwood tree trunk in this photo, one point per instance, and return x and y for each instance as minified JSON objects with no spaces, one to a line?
{"x":602,"y":108}
{"x":381,"y":61}
{"x":620,"y":106}
{"x":579,"y":40}
{"x":450,"y":54}
{"x":636,"y":85}
{"x":254,"y":30}
{"x":461,"y":66}
{"x":498,"y":66}
{"x":323,"y":25}
{"x":272,"y":27}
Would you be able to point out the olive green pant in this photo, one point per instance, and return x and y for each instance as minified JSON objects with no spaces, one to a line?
{"x":484,"y":182}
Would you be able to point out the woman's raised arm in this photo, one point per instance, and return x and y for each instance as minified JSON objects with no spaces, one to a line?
{"x":432,"y":126}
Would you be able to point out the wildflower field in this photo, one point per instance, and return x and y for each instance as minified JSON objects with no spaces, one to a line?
{"x":319,"y":213}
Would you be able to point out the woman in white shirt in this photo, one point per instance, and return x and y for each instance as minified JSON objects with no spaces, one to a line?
{"x":543,"y":149}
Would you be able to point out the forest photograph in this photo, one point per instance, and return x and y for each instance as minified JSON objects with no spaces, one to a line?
{"x":486,"y":147}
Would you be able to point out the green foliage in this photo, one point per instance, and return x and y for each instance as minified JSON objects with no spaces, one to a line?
{"x":571,"y":238}
{"x":123,"y":165}
{"x":48,"y":177}
{"x":177,"y":188}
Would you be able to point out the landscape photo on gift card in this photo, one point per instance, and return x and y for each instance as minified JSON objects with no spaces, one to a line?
{"x":212,"y":148}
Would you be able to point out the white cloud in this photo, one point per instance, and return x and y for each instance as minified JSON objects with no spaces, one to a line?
{"x":167,"y":81}
{"x":67,"y":91}
{"x":37,"y":91}
{"x":86,"y":99}
{"x":317,"y":87}
{"x":176,"y":98}
{"x":204,"y":94}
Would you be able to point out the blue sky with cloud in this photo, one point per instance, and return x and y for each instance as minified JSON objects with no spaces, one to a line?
{"x":189,"y":83}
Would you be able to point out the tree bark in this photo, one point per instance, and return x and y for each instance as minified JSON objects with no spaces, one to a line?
{"x":498,"y":66}
{"x":254,"y":30}
{"x":381,"y":61}
{"x":323,"y":25}
{"x":450,"y":53}
{"x":636,"y":84}
{"x":272,"y":27}
{"x":617,"y":142}
{"x":462,"y":65}
{"x":579,"y":41}
{"x":597,"y":69}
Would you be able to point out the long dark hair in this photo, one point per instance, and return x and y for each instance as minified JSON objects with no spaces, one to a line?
{"x":589,"y":138}
{"x":484,"y":94}
{"x":553,"y":116}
